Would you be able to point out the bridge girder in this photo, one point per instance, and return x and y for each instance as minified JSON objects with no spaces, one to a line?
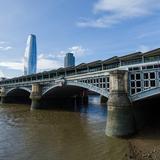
{"x":90,"y":87}
{"x":145,"y":94}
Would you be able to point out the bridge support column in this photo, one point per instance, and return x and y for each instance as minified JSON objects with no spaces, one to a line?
{"x":3,"y":100}
{"x":84,"y":97}
{"x":35,"y":96}
{"x":2,"y":95}
{"x":120,"y":121}
{"x":103,"y":100}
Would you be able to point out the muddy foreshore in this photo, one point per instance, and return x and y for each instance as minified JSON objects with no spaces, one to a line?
{"x":145,"y":145}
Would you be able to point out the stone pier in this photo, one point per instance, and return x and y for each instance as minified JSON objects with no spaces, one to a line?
{"x":2,"y":95}
{"x":84,"y":97}
{"x":35,"y":96}
{"x":103,"y":100}
{"x":85,"y":100}
{"x":120,"y":121}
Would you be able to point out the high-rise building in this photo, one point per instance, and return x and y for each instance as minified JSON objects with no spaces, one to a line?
{"x":30,"y":56}
{"x":69,"y":60}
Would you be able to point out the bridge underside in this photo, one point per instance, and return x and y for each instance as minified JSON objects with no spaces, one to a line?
{"x":147,"y":111}
{"x":56,"y":95}
{"x":64,"y":92}
{"x":154,"y":92}
{"x":65,"y":95}
{"x":18,"y":96}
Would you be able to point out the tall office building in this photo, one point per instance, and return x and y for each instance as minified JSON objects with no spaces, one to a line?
{"x":69,"y":60}
{"x":30,"y":56}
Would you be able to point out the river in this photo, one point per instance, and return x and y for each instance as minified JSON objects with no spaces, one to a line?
{"x":70,"y":133}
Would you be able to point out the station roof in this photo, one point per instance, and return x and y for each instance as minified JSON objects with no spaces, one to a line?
{"x":94,"y":63}
{"x":131,"y":56}
{"x":152,"y":52}
{"x":81,"y":65}
{"x":111,"y":60}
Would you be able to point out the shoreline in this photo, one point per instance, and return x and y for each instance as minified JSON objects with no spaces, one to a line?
{"x":145,"y":145}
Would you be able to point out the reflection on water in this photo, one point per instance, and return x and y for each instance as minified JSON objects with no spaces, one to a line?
{"x":70,"y":134}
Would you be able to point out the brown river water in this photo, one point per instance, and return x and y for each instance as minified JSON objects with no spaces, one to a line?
{"x":61,"y":133}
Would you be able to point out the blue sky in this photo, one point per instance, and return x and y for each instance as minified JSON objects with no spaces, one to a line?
{"x":92,"y":29}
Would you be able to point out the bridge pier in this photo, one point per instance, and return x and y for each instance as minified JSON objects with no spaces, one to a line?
{"x":84,"y":99}
{"x":35,"y":96}
{"x":120,"y":121}
{"x":103,"y":100}
{"x":81,"y":99}
{"x":3,"y":95}
{"x":3,"y":99}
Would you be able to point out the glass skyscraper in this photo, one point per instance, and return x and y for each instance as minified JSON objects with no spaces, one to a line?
{"x":69,"y":60}
{"x":30,"y":56}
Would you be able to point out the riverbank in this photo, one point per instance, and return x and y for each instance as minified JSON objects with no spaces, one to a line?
{"x":145,"y":145}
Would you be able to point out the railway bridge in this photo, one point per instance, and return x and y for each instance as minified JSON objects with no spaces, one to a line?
{"x":122,"y":80}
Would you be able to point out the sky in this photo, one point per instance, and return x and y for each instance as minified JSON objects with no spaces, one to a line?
{"x":91,"y":29}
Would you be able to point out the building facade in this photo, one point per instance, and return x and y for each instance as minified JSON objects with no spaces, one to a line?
{"x":30,"y":56}
{"x":69,"y":60}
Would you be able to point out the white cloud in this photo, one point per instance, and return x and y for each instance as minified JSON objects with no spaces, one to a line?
{"x":5,"y":48}
{"x":144,"y":48}
{"x":3,"y":42}
{"x":42,"y":64}
{"x":12,"y":65}
{"x":114,"y":11}
{"x":1,"y":74}
{"x":46,"y":61}
{"x":40,"y":56}
{"x":56,"y":60}
{"x":79,"y":51}
{"x":148,"y":34}
{"x":56,"y":55}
